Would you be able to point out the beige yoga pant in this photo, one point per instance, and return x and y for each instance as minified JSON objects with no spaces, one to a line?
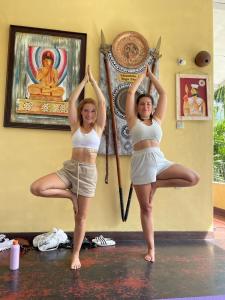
{"x":81,"y":177}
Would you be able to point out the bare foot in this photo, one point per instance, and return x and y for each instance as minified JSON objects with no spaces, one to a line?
{"x":75,"y":203}
{"x":75,"y":264}
{"x":150,"y":256}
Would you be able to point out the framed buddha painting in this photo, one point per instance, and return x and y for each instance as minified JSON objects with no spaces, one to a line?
{"x":44,"y":66}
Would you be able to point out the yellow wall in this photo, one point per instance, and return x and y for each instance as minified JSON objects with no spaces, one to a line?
{"x":26,"y":154}
{"x":219,"y":195}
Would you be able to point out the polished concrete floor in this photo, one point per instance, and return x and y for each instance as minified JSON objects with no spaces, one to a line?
{"x":188,"y":268}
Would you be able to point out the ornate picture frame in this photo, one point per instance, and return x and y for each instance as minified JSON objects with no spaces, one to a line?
{"x":192,"y":97}
{"x":44,"y":66}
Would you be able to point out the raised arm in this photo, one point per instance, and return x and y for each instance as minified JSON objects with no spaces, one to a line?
{"x":101,"y":115}
{"x":162,"y":101}
{"x":130,"y":101}
{"x":72,"y":115}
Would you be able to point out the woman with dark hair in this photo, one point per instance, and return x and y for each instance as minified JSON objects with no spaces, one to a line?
{"x":149,"y":168}
{"x":78,"y":177}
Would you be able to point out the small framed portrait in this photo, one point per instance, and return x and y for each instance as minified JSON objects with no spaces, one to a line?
{"x":192,"y":97}
{"x":44,"y":66}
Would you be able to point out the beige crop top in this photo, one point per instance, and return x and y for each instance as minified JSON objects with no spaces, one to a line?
{"x":86,"y":140}
{"x":140,"y":131}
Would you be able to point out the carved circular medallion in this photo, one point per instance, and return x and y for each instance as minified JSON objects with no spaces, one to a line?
{"x":130,"y":49}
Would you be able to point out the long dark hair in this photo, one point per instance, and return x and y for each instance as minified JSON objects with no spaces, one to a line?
{"x":138,"y":100}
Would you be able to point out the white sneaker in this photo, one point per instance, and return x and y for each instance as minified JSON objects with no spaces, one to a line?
{"x":6,"y":244}
{"x":50,"y":241}
{"x":42,"y":237}
{"x":2,"y":237}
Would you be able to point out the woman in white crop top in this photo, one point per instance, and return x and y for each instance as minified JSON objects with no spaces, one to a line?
{"x":149,"y":168}
{"x":77,"y":179}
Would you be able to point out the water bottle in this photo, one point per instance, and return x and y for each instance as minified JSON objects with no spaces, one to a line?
{"x":14,"y":256}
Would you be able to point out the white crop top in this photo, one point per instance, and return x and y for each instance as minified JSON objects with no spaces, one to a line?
{"x":86,"y":140}
{"x":140,"y":131}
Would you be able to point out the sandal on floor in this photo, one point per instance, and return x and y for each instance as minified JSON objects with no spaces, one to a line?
{"x":101,"y":241}
{"x":87,"y":243}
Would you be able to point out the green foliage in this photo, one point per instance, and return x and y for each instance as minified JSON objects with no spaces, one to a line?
{"x":219,"y":95}
{"x":219,"y":151}
{"x":219,"y":137}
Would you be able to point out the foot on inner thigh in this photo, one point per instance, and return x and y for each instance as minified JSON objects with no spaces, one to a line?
{"x":153,"y":190}
{"x":75,"y":264}
{"x":150,"y":256}
{"x":75,"y":203}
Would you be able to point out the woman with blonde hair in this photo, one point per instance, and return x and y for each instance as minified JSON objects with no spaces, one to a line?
{"x":78,"y":177}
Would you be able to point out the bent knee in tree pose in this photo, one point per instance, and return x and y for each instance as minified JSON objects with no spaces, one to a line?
{"x":150,"y":169}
